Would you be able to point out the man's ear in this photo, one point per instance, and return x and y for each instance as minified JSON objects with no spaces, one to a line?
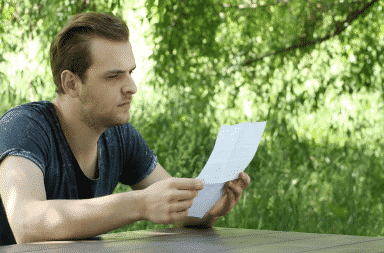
{"x":71,"y":83}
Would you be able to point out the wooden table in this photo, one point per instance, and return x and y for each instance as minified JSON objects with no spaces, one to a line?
{"x":209,"y":240}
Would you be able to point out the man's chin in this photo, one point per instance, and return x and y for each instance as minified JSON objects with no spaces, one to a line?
{"x":119,"y":122}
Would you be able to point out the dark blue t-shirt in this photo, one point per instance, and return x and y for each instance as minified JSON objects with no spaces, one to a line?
{"x":33,"y":131}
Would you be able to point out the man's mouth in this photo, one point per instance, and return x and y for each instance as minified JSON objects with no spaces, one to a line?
{"x":125,"y":104}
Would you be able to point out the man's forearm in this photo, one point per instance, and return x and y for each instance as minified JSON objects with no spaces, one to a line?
{"x":192,"y":222}
{"x":80,"y":219}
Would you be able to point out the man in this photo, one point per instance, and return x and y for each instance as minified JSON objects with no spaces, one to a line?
{"x":60,"y":161}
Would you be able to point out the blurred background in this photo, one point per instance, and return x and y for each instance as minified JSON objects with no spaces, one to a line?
{"x":313,"y":69}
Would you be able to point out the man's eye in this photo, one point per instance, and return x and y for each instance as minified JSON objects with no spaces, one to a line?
{"x":112,"y":76}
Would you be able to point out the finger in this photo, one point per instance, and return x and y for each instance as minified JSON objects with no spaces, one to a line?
{"x":200,"y":184}
{"x":182,"y":206}
{"x":238,"y":182}
{"x":187,"y":183}
{"x":233,"y":198}
{"x":229,"y":192}
{"x":236,"y":190}
{"x":245,"y":177}
{"x":232,"y":191}
{"x":245,"y":180}
{"x":186,"y":195}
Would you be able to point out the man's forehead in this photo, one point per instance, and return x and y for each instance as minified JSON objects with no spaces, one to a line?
{"x":95,"y":41}
{"x":105,"y":49}
{"x":112,"y":55}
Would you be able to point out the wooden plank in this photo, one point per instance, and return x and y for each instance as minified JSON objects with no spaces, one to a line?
{"x":135,"y":239}
{"x":328,"y":243}
{"x":209,"y":240}
{"x":366,"y":247}
{"x":245,"y":240}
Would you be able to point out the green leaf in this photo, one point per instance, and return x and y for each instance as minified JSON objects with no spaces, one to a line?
{"x":340,"y":212}
{"x":161,"y":6}
{"x":8,"y":12}
{"x":113,"y":5}
{"x":150,"y":4}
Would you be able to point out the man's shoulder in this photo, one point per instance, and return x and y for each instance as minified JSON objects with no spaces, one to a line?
{"x":28,"y":108}
{"x":27,"y":117}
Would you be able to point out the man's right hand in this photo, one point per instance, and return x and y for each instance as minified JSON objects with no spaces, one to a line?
{"x":168,"y":201}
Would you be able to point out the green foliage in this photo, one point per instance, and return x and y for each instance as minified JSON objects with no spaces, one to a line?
{"x":239,"y":38}
{"x":297,"y":184}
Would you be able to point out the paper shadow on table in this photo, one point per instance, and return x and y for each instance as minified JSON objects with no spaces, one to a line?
{"x":139,"y":234}
{"x":133,"y":235}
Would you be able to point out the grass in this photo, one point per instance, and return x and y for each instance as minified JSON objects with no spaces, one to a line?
{"x":301,"y":184}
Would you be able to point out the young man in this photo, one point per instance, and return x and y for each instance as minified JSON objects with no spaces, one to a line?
{"x":60,"y":161}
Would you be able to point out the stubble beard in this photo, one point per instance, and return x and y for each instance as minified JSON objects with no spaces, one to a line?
{"x":99,"y":121}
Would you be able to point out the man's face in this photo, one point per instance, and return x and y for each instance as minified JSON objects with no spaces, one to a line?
{"x":108,"y":85}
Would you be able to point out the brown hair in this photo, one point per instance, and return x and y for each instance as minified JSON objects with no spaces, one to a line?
{"x":70,"y":49}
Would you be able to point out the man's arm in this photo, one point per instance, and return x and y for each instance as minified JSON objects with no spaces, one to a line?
{"x":33,"y":218}
{"x":159,"y":174}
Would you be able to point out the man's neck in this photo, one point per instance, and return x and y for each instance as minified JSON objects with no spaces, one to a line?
{"x":81,"y":139}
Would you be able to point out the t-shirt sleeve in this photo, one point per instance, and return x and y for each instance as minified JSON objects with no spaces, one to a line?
{"x":139,"y":159}
{"x":23,"y":133}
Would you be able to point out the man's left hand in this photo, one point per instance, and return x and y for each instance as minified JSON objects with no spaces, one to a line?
{"x":232,"y":194}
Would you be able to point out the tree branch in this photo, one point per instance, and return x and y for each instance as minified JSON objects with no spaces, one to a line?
{"x":252,"y":6}
{"x":340,"y":27}
{"x":242,"y":7}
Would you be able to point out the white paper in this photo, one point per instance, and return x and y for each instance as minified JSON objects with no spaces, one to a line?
{"x":234,"y":149}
